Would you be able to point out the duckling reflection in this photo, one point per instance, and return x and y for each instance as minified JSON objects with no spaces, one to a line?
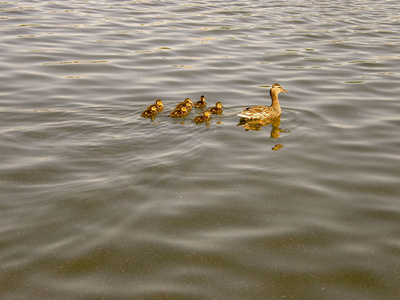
{"x":256,"y":125}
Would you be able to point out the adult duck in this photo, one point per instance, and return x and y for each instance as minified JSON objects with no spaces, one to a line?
{"x":262,"y":111}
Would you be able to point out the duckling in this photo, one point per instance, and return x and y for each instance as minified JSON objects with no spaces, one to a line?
{"x":204,"y":118}
{"x":159,"y":105}
{"x":201,"y":103}
{"x":181,"y":112}
{"x":262,"y":111}
{"x":187,"y":105}
{"x":184,"y":103}
{"x":150,"y":112}
{"x":217,"y":109}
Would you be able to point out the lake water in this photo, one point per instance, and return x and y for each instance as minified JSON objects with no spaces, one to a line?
{"x":100,"y":203}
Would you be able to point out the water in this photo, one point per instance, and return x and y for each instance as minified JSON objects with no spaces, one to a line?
{"x":97,"y":202}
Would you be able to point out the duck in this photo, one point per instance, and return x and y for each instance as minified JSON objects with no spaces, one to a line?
{"x":187,"y":102}
{"x":217,"y":109}
{"x":158,"y":105}
{"x":178,"y":113}
{"x":201,"y":103}
{"x":262,"y":111}
{"x":150,"y":112}
{"x":204,"y":118}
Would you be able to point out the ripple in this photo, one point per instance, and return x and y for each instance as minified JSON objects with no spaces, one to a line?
{"x":100,"y":203}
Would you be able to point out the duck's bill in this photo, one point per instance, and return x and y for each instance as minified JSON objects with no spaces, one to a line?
{"x":285,"y":91}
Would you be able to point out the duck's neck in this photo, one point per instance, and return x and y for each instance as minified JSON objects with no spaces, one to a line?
{"x":275,"y":102}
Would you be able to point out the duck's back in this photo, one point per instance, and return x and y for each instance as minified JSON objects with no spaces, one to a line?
{"x":259,"y":112}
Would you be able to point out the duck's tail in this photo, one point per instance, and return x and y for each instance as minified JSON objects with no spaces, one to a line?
{"x":245,"y":114}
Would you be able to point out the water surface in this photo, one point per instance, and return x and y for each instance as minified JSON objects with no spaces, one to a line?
{"x":98,"y":202}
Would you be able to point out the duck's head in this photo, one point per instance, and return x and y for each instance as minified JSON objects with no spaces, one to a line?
{"x":153,"y":109}
{"x":207,"y":113}
{"x":183,"y":109}
{"x":202,"y":98}
{"x":187,"y":100}
{"x":276,"y":87}
{"x":218,"y":104}
{"x":188,"y":105}
{"x":159,"y":103}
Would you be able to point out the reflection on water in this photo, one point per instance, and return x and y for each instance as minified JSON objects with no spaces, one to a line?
{"x":256,"y":125}
{"x":98,"y":202}
{"x":277,"y":147}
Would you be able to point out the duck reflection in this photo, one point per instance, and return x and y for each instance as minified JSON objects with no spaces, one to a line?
{"x":257,"y":125}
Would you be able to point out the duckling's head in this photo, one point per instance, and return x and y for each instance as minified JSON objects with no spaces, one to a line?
{"x":159,"y":103}
{"x":218,"y":104}
{"x":153,"y":109}
{"x":276,"y":87}
{"x":202,"y":98}
{"x":183,"y":109}
{"x":188,"y":100}
{"x":207,"y":113}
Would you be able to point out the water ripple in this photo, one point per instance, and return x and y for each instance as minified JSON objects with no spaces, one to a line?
{"x":99,"y":202}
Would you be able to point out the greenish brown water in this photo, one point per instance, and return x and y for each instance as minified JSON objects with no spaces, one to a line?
{"x":99,"y":203}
